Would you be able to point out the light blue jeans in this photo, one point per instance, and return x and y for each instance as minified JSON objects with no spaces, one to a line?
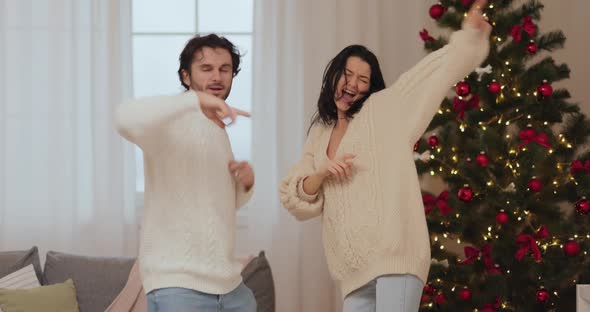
{"x":389,"y":293}
{"x":240,"y":299}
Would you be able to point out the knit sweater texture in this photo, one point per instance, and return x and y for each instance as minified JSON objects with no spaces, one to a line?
{"x":188,"y":229}
{"x":374,"y":224}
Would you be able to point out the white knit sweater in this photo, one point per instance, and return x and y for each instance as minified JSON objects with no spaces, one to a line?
{"x":375,"y":224}
{"x":188,"y":226}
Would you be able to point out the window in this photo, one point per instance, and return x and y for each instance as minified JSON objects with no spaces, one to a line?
{"x":159,"y":32}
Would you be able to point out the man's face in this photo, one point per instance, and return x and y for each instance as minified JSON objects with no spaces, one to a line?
{"x":211,"y":72}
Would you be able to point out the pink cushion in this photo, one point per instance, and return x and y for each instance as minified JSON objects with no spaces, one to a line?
{"x":131,"y":298}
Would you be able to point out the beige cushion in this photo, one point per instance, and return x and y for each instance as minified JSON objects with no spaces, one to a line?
{"x":53,"y":298}
{"x":24,"y":278}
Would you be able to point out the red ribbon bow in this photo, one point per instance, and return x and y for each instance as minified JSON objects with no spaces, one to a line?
{"x":471,"y":254}
{"x":527,"y":25}
{"x":425,"y":36}
{"x":578,"y":167}
{"x":529,"y":242}
{"x":440,"y":201}
{"x":462,"y":106}
{"x":530,"y":135}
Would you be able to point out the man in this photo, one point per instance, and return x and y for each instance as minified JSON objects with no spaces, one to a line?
{"x":193,"y":185}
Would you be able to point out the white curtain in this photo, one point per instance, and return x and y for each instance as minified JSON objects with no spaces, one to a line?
{"x":66,"y":179}
{"x":279,"y":125}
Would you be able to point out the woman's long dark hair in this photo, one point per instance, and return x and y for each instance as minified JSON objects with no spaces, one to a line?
{"x":327,"y":112}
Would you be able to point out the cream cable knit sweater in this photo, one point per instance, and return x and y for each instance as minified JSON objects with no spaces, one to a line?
{"x":188,"y":227}
{"x":374,"y":224}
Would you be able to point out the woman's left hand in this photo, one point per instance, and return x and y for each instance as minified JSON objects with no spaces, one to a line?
{"x":475,"y":17}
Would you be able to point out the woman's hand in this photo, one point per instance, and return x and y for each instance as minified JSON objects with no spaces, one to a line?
{"x":339,"y":167}
{"x":475,"y":17}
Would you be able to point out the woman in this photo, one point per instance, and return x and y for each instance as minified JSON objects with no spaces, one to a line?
{"x":357,"y":168}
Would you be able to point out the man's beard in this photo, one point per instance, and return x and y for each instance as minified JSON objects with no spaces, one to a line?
{"x":227,"y":93}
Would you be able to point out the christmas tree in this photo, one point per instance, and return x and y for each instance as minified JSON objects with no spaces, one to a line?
{"x":509,"y":147}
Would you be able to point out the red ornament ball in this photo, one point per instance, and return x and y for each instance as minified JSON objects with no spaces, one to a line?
{"x":535,"y":185}
{"x":482,"y":159}
{"x":542,"y":295}
{"x":529,"y":132}
{"x":425,"y":299}
{"x":494,"y":87}
{"x":440,"y":298}
{"x":465,"y":194}
{"x":531,"y":48}
{"x":436,"y":11}
{"x":433,"y":141}
{"x":583,"y":206}
{"x":466,"y":2}
{"x":571,"y":248}
{"x":429,"y":289}
{"x":462,"y":88}
{"x":465,"y":294}
{"x":488,"y":309}
{"x":544,"y":90}
{"x":502,"y":217}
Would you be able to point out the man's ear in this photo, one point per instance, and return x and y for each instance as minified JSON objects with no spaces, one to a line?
{"x":186,"y":77}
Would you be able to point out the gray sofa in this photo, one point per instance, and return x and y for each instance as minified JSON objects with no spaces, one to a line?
{"x":98,"y":280}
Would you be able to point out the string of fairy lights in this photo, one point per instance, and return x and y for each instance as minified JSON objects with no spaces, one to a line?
{"x":504,"y":93}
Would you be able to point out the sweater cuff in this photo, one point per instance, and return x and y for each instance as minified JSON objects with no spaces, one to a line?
{"x":191,"y":99}
{"x":301,"y":193}
{"x":291,"y":199}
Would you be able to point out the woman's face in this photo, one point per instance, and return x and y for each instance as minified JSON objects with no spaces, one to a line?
{"x":353,"y":84}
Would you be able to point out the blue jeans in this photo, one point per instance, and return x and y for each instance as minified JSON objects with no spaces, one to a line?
{"x":389,"y":293}
{"x":240,"y":299}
